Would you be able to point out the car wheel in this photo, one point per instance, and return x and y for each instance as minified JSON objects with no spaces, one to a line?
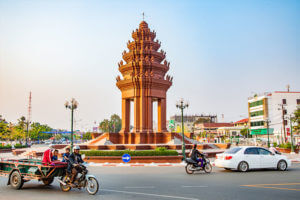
{"x":243,"y":166}
{"x":281,"y":166}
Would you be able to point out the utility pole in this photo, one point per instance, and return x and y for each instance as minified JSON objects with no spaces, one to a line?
{"x":291,"y":127}
{"x":28,"y":119}
{"x":268,"y":121}
{"x":283,"y":124}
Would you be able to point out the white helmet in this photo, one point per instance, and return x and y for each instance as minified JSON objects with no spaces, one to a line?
{"x":77,"y":148}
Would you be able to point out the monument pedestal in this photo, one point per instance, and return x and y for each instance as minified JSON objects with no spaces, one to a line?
{"x":139,"y":138}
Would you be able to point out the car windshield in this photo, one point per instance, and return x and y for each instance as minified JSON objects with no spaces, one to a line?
{"x":233,"y":150}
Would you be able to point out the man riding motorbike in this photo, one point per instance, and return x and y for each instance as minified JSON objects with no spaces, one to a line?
{"x":74,"y":163}
{"x":196,"y":155}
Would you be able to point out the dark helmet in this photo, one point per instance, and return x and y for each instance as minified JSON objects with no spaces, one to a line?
{"x":195,"y":146}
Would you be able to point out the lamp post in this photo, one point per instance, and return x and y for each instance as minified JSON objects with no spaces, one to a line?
{"x":72,"y":105}
{"x":182,"y":105}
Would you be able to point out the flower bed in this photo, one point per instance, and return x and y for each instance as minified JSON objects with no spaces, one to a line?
{"x":287,"y":150}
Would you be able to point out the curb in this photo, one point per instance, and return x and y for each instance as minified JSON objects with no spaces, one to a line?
{"x":137,"y":165}
{"x":182,"y":164}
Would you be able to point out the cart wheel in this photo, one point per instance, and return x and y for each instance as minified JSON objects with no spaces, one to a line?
{"x":65,"y":188}
{"x":16,"y":180}
{"x":48,"y":181}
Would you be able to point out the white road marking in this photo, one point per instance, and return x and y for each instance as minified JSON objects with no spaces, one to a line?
{"x":195,"y":186}
{"x":140,"y":187}
{"x":148,"y":194}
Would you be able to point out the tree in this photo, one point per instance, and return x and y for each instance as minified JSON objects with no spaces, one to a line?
{"x":4,"y":129}
{"x":19,"y":131}
{"x":296,"y":120}
{"x":244,"y":132}
{"x":37,"y":131}
{"x":113,"y":125}
{"x":104,"y":125}
{"x":116,"y":123}
{"x":87,"y":136}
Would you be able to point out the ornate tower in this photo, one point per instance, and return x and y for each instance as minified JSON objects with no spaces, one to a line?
{"x":144,"y":81}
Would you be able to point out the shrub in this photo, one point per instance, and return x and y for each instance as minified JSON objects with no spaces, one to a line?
{"x":160,"y":149}
{"x":8,"y":146}
{"x":287,"y":145}
{"x":5,"y":146}
{"x":132,"y":153}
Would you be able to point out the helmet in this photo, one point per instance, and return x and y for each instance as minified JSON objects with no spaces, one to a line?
{"x":76,"y":148}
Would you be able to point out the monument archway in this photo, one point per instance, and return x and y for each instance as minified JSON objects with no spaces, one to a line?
{"x":143,"y":81}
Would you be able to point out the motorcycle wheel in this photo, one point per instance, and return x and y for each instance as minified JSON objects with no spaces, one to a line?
{"x":208,"y":168}
{"x":188,"y":168}
{"x":92,"y":185}
{"x":65,"y":188}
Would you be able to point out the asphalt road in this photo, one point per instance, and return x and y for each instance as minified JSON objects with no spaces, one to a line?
{"x":170,"y":183}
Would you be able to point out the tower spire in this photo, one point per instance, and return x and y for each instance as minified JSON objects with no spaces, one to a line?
{"x":143,"y":16}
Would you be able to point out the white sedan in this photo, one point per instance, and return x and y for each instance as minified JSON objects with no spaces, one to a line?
{"x":251,"y":157}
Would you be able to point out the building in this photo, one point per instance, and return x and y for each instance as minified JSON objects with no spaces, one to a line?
{"x":209,"y":131}
{"x":242,"y":123}
{"x":272,"y":110}
{"x":175,"y":122}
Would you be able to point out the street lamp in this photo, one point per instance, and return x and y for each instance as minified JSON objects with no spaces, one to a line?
{"x":72,"y":105}
{"x":182,"y":105}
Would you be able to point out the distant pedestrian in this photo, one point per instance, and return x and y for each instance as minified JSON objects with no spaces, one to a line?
{"x":273,"y":149}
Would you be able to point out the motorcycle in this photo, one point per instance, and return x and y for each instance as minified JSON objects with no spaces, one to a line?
{"x":82,"y":180}
{"x":192,"y":166}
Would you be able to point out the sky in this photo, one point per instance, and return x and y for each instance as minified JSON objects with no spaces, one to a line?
{"x":221,"y":52}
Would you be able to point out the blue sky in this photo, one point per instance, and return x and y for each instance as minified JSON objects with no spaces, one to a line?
{"x":221,"y":52}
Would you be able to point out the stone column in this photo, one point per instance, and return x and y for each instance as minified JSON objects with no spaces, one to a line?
{"x":162,"y":114}
{"x":143,"y":113}
{"x":125,"y":116}
{"x":136,"y":120}
{"x":150,"y":114}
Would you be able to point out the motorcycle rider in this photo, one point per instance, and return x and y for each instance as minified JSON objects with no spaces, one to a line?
{"x":196,"y":155}
{"x":74,"y":163}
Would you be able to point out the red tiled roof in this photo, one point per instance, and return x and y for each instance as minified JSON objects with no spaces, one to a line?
{"x":285,"y":92}
{"x":214,"y":125}
{"x":242,"y":121}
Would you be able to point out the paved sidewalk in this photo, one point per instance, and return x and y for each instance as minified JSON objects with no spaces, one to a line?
{"x":294,"y":157}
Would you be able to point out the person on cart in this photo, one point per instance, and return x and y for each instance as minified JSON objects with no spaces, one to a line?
{"x":66,"y":155}
{"x":196,"y":155}
{"x":74,"y":163}
{"x":47,"y":156}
